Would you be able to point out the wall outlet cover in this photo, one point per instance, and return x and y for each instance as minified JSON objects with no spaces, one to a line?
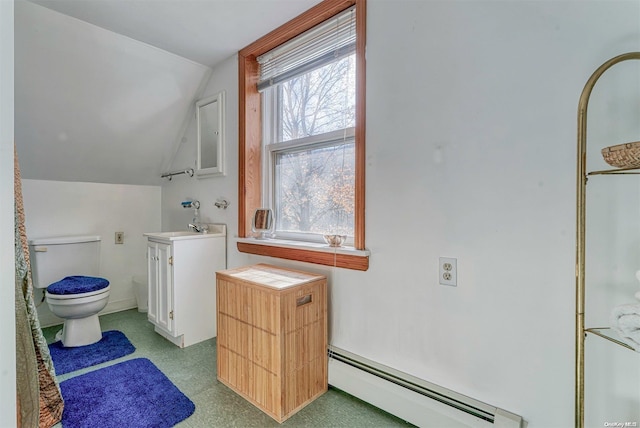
{"x":448,"y":271}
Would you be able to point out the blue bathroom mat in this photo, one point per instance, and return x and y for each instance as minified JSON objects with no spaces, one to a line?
{"x":114,"y":344}
{"x":132,"y":394}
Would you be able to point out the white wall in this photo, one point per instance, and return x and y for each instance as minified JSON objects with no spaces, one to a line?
{"x":7,"y":256}
{"x":57,"y":208}
{"x":118,"y":104}
{"x":495,"y":87}
{"x":207,"y":190}
{"x":471,"y":130}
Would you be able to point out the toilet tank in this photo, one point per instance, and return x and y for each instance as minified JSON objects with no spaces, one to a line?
{"x":55,"y":258}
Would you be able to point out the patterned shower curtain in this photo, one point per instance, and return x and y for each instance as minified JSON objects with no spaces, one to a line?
{"x":37,"y":391}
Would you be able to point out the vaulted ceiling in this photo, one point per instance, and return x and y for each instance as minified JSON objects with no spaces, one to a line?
{"x":104,"y":89}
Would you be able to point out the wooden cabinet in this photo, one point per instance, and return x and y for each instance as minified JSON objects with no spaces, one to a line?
{"x":182,"y":292}
{"x":272,"y":336}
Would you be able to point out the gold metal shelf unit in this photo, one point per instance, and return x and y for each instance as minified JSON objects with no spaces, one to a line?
{"x":581,"y":184}
{"x":618,"y":171}
{"x":607,"y":333}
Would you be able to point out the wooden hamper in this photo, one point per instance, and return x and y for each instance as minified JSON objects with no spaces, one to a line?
{"x":272,"y":336}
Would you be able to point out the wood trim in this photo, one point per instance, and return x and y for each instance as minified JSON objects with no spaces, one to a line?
{"x":250,"y":136}
{"x":347,"y":261}
{"x":309,"y":19}
{"x":242,"y":138}
{"x":360,"y":161}
{"x":250,"y":132}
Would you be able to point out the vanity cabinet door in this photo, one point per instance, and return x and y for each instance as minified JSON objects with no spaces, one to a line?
{"x":152,"y":281}
{"x":161,"y":297}
{"x":165,"y":288}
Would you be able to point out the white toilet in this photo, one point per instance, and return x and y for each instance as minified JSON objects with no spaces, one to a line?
{"x":67,"y":267}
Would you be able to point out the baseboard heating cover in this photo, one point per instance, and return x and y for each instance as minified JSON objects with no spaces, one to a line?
{"x":414,"y":400}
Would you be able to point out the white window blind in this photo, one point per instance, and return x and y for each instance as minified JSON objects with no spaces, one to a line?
{"x":324,"y":43}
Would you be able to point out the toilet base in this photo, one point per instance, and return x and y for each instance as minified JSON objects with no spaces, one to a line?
{"x":80,"y":331}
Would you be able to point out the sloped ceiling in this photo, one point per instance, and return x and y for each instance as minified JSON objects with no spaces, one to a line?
{"x":108,"y":101}
{"x":204,"y":31}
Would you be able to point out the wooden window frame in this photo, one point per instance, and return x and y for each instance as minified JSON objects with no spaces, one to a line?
{"x":250,"y":136}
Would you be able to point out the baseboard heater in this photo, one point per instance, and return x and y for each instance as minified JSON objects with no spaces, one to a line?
{"x":414,"y":400}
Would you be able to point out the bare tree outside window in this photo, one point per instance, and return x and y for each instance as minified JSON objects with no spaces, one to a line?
{"x":315,"y":182}
{"x":320,"y":101}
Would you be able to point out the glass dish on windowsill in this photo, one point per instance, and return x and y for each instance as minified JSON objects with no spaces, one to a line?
{"x":335,"y":240}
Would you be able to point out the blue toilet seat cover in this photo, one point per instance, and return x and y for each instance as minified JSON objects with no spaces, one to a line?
{"x":77,"y":285}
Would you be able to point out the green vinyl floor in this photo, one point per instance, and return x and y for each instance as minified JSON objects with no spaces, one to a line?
{"x":193,"y":371}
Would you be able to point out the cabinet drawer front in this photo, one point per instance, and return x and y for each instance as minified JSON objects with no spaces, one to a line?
{"x":250,"y":305}
{"x":233,"y":300}
{"x":265,"y":391}
{"x":305,"y":344}
{"x":265,"y":350}
{"x":305,"y":384}
{"x":234,"y":335}
{"x":264,"y":312}
{"x":222,"y":357}
{"x":305,"y":306}
{"x":239,"y":372}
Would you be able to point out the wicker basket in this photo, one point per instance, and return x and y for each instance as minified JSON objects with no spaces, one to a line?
{"x":623,"y":155}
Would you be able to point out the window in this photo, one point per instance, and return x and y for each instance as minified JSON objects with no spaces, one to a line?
{"x":309,"y":120}
{"x":313,"y":188}
{"x":302,"y":132}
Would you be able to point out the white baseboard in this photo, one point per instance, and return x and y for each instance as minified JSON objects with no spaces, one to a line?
{"x":402,"y":395}
{"x":119,"y":306}
{"x":48,"y":319}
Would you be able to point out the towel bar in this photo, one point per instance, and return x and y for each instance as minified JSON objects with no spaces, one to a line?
{"x":171,"y":174}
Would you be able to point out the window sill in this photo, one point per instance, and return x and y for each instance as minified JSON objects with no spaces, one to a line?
{"x":343,"y":257}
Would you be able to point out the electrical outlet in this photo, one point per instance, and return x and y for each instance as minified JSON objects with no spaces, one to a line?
{"x":448,"y":271}
{"x":119,"y":237}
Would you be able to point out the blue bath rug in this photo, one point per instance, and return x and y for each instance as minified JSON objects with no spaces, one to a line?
{"x":114,"y":344}
{"x":132,"y":394}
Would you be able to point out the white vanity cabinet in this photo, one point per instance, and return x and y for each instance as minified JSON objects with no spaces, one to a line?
{"x":182,"y":270}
